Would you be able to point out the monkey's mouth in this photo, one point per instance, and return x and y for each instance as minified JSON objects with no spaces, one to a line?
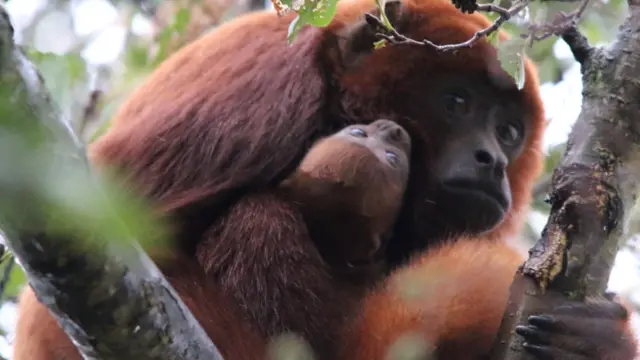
{"x":367,"y":264}
{"x":479,"y":193}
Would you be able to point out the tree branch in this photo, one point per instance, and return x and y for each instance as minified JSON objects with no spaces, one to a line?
{"x":393,"y":37}
{"x":107,"y":295}
{"x":579,"y":46}
{"x":593,"y":188}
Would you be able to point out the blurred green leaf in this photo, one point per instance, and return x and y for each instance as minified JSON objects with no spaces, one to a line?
{"x":17,"y":279}
{"x":163,"y":45}
{"x":59,"y":69}
{"x":317,"y":13}
{"x":47,"y":184}
{"x":511,"y":56}
{"x":169,"y":32}
{"x":68,"y":78}
{"x":494,"y":39}
{"x":137,"y":56}
{"x":182,"y":19}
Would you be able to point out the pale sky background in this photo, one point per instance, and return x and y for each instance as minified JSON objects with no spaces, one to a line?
{"x":98,"y":17}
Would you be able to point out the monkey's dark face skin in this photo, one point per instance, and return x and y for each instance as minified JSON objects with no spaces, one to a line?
{"x":481,"y":128}
{"x":484,"y":133}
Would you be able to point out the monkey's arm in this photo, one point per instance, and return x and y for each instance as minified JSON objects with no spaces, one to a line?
{"x":452,"y":300}
{"x":261,"y":253}
{"x":440,"y":299}
{"x":318,"y":192}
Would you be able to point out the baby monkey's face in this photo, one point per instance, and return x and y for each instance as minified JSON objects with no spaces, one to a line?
{"x":388,"y":141}
{"x":363,"y":154}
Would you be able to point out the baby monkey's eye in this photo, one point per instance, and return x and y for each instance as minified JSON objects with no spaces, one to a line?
{"x":392,"y":157}
{"x":357,"y":132}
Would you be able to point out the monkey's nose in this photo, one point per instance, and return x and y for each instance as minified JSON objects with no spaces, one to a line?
{"x":392,"y":132}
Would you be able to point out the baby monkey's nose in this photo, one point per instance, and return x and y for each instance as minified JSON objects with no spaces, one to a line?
{"x":391,"y":132}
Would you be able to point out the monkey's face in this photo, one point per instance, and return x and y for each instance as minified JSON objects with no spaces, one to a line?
{"x":482,"y":134}
{"x":385,"y":140}
{"x":472,"y":129}
{"x":466,"y":131}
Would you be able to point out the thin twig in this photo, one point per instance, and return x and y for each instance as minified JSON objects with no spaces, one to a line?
{"x":560,"y":24}
{"x":392,"y":36}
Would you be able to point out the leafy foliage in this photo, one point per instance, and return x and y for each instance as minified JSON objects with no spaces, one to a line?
{"x":16,"y":278}
{"x":511,"y":55}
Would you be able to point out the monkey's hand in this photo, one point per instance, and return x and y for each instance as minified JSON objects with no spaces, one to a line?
{"x":596,"y":329}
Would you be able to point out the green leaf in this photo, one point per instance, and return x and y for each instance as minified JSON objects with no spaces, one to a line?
{"x":511,"y":56}
{"x":46,"y":183}
{"x":494,"y":39}
{"x":137,"y":56}
{"x":182,"y":19}
{"x":379,"y":44}
{"x":68,"y":75}
{"x":317,"y":13}
{"x":163,"y":44}
{"x":17,"y":279}
{"x":71,"y":66}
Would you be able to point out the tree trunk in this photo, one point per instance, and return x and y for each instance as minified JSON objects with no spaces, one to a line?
{"x":593,"y":188}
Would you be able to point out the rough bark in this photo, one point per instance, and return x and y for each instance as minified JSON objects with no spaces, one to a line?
{"x":593,"y":188}
{"x":108,"y":296}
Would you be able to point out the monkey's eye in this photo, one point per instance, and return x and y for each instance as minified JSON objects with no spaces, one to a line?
{"x":357,"y":132}
{"x":392,"y":157}
{"x":509,"y":134}
{"x":456,"y":102}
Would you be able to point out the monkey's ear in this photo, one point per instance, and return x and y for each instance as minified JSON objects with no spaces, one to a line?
{"x":354,"y":42}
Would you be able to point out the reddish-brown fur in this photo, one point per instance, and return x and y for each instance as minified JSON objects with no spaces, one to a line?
{"x":450,"y":301}
{"x":221,"y":123}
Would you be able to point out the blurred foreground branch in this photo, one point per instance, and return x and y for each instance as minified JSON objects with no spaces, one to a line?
{"x":593,"y":188}
{"x":104,"y":291}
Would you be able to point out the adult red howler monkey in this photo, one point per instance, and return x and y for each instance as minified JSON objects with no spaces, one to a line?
{"x":220,"y":124}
